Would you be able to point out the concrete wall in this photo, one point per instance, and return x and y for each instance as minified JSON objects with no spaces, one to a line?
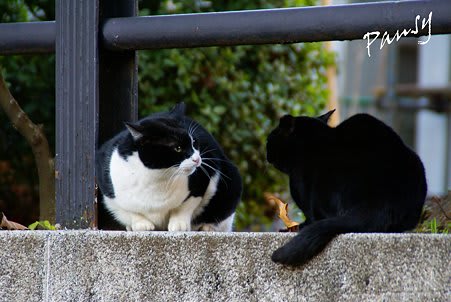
{"x":139,"y":266}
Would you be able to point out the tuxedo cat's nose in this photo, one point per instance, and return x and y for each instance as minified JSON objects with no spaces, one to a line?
{"x":196,"y":159}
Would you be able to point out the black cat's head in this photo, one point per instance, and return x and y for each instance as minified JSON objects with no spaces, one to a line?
{"x":286,"y":143}
{"x":163,"y":141}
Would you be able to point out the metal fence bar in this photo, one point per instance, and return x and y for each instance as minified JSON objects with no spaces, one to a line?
{"x":27,"y":37}
{"x":341,"y":22}
{"x":308,"y":24}
{"x":77,"y":82}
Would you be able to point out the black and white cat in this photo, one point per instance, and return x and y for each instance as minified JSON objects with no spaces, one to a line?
{"x":166,"y":172}
{"x":357,"y":177}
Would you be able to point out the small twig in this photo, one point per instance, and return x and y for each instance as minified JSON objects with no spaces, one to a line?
{"x":438,"y":202}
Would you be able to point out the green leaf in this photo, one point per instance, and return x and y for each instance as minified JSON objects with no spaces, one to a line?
{"x":34,"y":225}
{"x":45,"y":225}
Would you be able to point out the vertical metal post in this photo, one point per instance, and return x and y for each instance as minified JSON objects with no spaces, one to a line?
{"x":118,"y":76}
{"x":77,"y":95}
{"x":118,"y":88}
{"x":96,"y":92}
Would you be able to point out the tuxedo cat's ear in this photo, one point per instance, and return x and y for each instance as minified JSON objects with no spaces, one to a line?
{"x":179,"y":109}
{"x":135,"y":130}
{"x":286,"y":124}
{"x":325,"y":117}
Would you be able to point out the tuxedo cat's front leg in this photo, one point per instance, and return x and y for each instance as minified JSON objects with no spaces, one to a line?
{"x":180,"y":218}
{"x":139,"y":223}
{"x":131,"y":220}
{"x":134,"y":222}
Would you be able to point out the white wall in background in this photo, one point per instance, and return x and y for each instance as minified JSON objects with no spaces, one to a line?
{"x":431,"y":139}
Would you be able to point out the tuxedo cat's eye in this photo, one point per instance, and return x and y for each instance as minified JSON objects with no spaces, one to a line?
{"x":178,"y":149}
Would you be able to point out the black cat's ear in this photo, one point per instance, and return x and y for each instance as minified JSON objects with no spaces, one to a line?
{"x":325,"y":117}
{"x":286,"y":124}
{"x":179,"y":109}
{"x":135,"y":130}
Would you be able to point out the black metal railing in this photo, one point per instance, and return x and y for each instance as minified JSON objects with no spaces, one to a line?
{"x":96,"y":85}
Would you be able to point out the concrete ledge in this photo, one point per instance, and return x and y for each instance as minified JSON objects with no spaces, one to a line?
{"x":144,"y":266}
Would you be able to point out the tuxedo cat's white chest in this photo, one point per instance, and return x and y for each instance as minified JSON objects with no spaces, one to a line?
{"x":142,"y":190}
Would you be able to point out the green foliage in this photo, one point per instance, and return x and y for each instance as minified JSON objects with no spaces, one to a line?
{"x":42,"y":225}
{"x":433,"y":227}
{"x":237,"y":93}
{"x":27,"y":10}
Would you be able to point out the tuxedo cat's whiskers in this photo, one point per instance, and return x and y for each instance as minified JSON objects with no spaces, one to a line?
{"x":205,"y":172}
{"x":190,"y":126}
{"x":216,"y":170}
{"x":173,"y":171}
{"x":193,"y":129}
{"x":206,"y":151}
{"x":190,"y":129}
{"x":172,"y":179}
{"x":220,"y":174}
{"x":168,"y":170}
{"x":211,"y":158}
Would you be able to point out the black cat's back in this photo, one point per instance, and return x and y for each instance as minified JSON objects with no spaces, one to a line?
{"x":384,"y":168}
{"x":363,"y":135}
{"x":367,"y":131}
{"x":357,"y":177}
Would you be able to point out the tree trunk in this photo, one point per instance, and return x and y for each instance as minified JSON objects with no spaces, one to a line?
{"x":35,"y":137}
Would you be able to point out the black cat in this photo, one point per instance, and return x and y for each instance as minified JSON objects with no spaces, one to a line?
{"x":358,"y":177}
{"x":166,"y":172}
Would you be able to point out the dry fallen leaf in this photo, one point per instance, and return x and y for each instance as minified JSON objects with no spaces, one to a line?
{"x":10,"y":225}
{"x":292,"y":226}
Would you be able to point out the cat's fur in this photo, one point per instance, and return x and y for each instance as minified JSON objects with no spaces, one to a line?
{"x":357,"y":177}
{"x":166,"y":172}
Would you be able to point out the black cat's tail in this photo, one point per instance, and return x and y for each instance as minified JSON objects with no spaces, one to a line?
{"x":313,"y":238}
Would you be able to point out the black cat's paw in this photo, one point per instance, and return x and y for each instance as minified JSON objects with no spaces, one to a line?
{"x":310,"y":241}
{"x":279,"y":256}
{"x":288,"y":256}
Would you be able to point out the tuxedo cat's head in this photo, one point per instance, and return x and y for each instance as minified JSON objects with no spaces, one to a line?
{"x":163,"y":141}
{"x":286,"y":143}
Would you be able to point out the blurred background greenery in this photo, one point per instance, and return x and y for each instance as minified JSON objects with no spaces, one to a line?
{"x":237,"y":93}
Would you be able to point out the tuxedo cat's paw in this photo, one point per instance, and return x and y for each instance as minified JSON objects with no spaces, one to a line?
{"x":179,"y":225}
{"x":141,"y":225}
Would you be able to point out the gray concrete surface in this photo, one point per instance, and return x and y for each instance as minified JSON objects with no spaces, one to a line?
{"x":146,"y":266}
